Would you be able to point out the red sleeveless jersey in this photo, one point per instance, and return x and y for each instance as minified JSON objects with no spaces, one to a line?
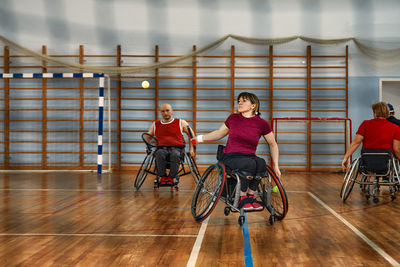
{"x":170,"y":133}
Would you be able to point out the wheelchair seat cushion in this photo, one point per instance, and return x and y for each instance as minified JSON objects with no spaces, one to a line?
{"x":375,"y":160}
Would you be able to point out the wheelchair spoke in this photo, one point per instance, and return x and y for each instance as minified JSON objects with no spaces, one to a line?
{"x":204,"y":203}
{"x":143,"y":171}
{"x":349,"y":180}
{"x":207,"y":192}
{"x":274,"y":195}
{"x":193,"y":168}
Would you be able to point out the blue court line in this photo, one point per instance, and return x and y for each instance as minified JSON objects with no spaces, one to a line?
{"x":248,"y":258}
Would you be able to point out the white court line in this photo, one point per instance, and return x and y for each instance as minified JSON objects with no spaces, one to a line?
{"x":94,"y":234}
{"x":357,"y":232}
{"x":197,"y":244}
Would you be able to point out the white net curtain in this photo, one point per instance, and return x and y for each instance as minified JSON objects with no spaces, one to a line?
{"x":365,"y":47}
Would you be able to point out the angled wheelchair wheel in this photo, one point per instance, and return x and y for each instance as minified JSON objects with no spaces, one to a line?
{"x":349,"y":180}
{"x":193,"y":168}
{"x":143,"y":170}
{"x":274,"y":195}
{"x":208,"y":191}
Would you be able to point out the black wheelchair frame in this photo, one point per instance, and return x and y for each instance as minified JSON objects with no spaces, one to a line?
{"x":376,"y":168}
{"x":219,"y":180}
{"x":149,"y":167}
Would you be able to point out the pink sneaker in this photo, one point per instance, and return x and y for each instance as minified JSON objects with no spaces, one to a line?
{"x":255,"y":205}
{"x":163,"y":180}
{"x":247,"y":206}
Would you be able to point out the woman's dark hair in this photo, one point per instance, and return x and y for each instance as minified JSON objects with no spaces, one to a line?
{"x":252,"y":98}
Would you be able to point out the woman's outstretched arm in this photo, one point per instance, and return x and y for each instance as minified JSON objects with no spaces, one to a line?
{"x":214,"y":135}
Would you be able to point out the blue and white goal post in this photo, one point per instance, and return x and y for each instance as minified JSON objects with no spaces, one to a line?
{"x":101,"y":77}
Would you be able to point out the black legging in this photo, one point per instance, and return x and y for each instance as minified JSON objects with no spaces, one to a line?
{"x":246,"y":165}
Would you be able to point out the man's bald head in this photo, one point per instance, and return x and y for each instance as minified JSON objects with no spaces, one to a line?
{"x":166,"y":112}
{"x":165,"y":106}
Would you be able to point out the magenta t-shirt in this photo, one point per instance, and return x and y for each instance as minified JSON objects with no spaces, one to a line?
{"x":244,"y":133}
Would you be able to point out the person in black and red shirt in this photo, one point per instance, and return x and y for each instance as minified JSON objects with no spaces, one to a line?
{"x":377,"y":133}
{"x":171,"y":143}
{"x":391,"y":117}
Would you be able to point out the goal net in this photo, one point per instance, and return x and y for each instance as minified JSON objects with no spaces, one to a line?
{"x":54,"y":121}
{"x":312,"y":144}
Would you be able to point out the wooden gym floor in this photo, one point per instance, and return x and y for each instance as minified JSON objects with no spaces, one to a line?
{"x":76,"y":219}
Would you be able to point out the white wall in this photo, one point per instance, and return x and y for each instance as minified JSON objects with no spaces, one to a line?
{"x":391,"y":93}
{"x":176,"y":25}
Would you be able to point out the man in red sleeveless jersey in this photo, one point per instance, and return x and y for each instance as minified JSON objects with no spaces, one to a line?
{"x":169,"y":134}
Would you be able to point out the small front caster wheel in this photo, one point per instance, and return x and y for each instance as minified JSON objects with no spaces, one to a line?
{"x":241,"y":220}
{"x":227,"y":210}
{"x":271,"y":220}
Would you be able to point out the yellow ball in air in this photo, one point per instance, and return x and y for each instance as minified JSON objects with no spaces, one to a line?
{"x":145,"y":84}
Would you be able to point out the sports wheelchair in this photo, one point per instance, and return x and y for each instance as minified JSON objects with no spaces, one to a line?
{"x":375,"y":168}
{"x":219,"y":182}
{"x":149,"y":167}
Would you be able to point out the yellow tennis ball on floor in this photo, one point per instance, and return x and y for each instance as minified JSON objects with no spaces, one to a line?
{"x":275,"y":189}
{"x":145,"y":84}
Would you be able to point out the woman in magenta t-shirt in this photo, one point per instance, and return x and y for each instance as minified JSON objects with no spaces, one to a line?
{"x":245,"y":129}
{"x":376,"y":133}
